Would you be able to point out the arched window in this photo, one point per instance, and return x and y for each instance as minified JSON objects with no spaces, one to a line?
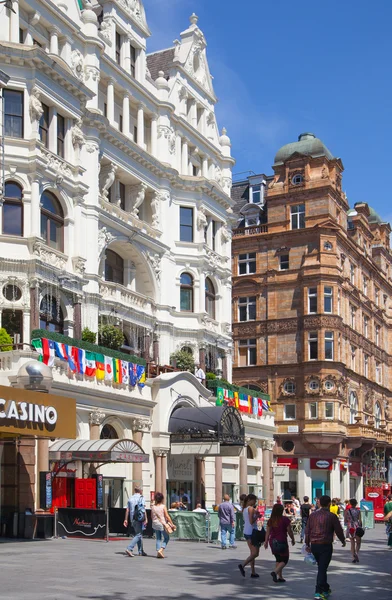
{"x":13,"y":209}
{"x":187,"y":349}
{"x":253,"y":386}
{"x":210,"y":298}
{"x":353,"y":404}
{"x":50,"y":315}
{"x":52,"y":221}
{"x":186,"y":294}
{"x":249,"y":453}
{"x":114,"y":267}
{"x":377,"y":415}
{"x":108,"y":433}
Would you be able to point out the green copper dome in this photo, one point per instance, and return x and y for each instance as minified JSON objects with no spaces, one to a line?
{"x":374,"y":217}
{"x":307,"y":144}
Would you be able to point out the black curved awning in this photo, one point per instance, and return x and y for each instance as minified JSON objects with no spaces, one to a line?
{"x":221,"y":424}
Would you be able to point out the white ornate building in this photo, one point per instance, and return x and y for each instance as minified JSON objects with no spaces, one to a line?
{"x":116,"y":193}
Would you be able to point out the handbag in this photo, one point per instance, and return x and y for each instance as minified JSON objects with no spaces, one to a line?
{"x":258,"y":537}
{"x":279,"y":547}
{"x":168,"y":528}
{"x":359,"y":532}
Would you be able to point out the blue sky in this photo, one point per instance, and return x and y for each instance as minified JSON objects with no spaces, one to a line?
{"x":282,"y":68}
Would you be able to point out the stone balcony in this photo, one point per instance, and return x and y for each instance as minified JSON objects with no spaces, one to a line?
{"x":116,"y":293}
{"x":252,"y":230}
{"x":129,"y":219}
{"x":360,"y":430}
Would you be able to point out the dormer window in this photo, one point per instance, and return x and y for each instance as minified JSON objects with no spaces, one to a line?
{"x":255,"y":194}
{"x":297,"y":179}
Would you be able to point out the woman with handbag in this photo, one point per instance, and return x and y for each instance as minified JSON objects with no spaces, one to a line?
{"x":352,"y":518}
{"x":253,"y":536}
{"x":161,"y":524}
{"x":278,"y":527}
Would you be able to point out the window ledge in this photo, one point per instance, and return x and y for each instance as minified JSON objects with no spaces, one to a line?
{"x":49,"y":255}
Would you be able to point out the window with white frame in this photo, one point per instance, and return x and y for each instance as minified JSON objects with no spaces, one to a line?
{"x":353,"y":357}
{"x":247,"y":308}
{"x":284,"y":262}
{"x":312,"y":345}
{"x":377,"y":415}
{"x":329,"y":410}
{"x":313,"y":410}
{"x":255,"y":193}
{"x":289,"y":412}
{"x":247,"y":352}
{"x":289,"y":387}
{"x":366,"y":365}
{"x":312,"y":300}
{"x":298,"y":216}
{"x":365,"y":284}
{"x":365,"y":326}
{"x":352,"y":273}
{"x":377,"y":296}
{"x":328,"y":297}
{"x":353,"y":406}
{"x":377,"y":335}
{"x":247,"y":263}
{"x":378,"y":372}
{"x":353,"y":310}
{"x":328,"y":345}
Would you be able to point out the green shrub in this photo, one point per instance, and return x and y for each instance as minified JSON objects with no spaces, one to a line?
{"x":210,"y":376}
{"x":6,"y":340}
{"x":89,"y":336}
{"x":184,"y":361}
{"x":110,"y":337}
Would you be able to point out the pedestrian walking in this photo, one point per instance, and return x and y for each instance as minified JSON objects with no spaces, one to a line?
{"x":136,"y":514}
{"x":306,"y":509}
{"x":251,"y":534}
{"x":355,"y":531}
{"x":227,"y":522}
{"x":388,"y":520}
{"x":161,"y":524}
{"x":322,"y":525}
{"x":278,"y":527}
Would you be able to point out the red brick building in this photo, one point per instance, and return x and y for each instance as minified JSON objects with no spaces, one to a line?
{"x":312,"y":315}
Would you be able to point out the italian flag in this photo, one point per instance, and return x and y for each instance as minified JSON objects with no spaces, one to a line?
{"x":90,"y":364}
{"x":45,"y":349}
{"x":99,"y":366}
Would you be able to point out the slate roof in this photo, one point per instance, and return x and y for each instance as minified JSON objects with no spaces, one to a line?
{"x":240,"y":195}
{"x":160,"y":61}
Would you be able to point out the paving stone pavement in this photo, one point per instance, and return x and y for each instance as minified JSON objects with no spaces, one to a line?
{"x":96,"y":570}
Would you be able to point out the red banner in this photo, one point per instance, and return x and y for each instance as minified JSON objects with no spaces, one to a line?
{"x":290,"y":461}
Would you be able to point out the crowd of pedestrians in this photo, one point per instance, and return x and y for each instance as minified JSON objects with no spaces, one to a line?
{"x":322,"y":524}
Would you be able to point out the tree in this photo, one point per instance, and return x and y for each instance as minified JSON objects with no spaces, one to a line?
{"x":89,"y":336}
{"x":6,"y":340}
{"x":184,"y":361}
{"x":110,"y":336}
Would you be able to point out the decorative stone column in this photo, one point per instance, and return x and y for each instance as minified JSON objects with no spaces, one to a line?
{"x":224,"y":367}
{"x":125,"y":114}
{"x":158,"y":471}
{"x":54,"y":40}
{"x":244,"y":471}
{"x":218,"y":479}
{"x":202,"y":358}
{"x":178,"y":151}
{"x":95,"y":421}
{"x":154,"y":135}
{"x":77,"y":328}
{"x":155,"y":350}
{"x":204,"y":169}
{"x":34,"y":304}
{"x":139,"y":426}
{"x":146,"y":349}
{"x":164,"y":476}
{"x":110,"y":101}
{"x":185,"y":157}
{"x":200,"y":480}
{"x":193,"y":113}
{"x":268,"y":480}
{"x":140,"y":125}
{"x":42,"y":462}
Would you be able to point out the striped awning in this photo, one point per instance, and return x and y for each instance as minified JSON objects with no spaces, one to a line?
{"x":115,"y":451}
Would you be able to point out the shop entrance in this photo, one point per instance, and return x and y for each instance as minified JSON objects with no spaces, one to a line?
{"x":318,"y":489}
{"x":113,"y":492}
{"x":180,"y":491}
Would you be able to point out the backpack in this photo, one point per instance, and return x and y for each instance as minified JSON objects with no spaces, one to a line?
{"x":139,"y":511}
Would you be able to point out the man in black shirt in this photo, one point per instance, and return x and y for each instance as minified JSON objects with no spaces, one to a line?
{"x":306,"y":509}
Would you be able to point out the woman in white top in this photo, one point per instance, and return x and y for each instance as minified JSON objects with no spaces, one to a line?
{"x":250,"y":525}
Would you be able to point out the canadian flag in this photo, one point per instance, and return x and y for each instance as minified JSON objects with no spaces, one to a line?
{"x":108,"y":368}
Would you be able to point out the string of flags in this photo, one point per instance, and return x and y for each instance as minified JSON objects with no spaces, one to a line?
{"x":91,"y":364}
{"x":244,"y":403}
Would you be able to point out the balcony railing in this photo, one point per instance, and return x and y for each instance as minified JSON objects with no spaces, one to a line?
{"x":369,"y":432}
{"x":129,"y":219}
{"x":119,"y":293}
{"x":252,"y":230}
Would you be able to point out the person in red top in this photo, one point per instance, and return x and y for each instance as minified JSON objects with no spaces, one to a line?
{"x":278,"y":527}
{"x":320,"y":529}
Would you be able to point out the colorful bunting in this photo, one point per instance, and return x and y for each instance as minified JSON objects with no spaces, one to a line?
{"x":108,"y":368}
{"x":99,"y":366}
{"x":91,"y":367}
{"x":219,"y":397}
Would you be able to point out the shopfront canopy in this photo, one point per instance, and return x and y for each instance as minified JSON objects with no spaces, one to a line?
{"x":113,"y":451}
{"x":213,"y":430}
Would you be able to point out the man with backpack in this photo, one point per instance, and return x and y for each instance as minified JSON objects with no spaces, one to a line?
{"x":136,"y":512}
